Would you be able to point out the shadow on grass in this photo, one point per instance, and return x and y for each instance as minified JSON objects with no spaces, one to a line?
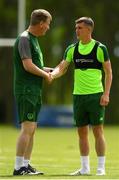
{"x":43,"y":176}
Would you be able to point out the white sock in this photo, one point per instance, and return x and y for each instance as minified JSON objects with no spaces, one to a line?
{"x":19,"y":162}
{"x":85,"y":163}
{"x":101,"y":162}
{"x":26,"y":162}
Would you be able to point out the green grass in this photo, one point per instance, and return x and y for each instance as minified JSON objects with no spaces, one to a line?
{"x":56,"y":153}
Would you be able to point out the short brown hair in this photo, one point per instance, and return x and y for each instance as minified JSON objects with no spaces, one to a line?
{"x":39,"y":15}
{"x":87,"y":20}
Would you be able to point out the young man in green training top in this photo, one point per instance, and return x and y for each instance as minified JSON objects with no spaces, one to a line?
{"x":29,"y":73}
{"x":89,"y":99}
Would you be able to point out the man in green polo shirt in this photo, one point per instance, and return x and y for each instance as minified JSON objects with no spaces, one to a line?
{"x":90,"y":57}
{"x":29,"y":73}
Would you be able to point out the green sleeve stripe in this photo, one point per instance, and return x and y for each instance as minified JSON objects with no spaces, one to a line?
{"x":67,"y":49}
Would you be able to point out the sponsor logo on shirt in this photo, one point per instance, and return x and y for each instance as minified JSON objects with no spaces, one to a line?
{"x":84,"y":60}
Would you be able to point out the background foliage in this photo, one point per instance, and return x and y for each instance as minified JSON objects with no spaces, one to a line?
{"x":61,"y":34}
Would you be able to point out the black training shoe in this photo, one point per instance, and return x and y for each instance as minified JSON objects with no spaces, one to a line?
{"x":21,"y":172}
{"x":33,"y":171}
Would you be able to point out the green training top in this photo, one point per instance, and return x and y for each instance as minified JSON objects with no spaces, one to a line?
{"x":87,"y":81}
{"x":27,"y":47}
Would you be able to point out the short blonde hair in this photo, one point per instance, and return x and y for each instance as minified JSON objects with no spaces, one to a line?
{"x":39,"y":15}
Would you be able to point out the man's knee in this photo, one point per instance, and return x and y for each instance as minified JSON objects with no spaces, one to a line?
{"x":28,"y":128}
{"x":98,"y":131}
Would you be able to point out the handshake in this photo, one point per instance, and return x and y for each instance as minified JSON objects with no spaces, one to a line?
{"x":49,"y":74}
{"x":58,"y":71}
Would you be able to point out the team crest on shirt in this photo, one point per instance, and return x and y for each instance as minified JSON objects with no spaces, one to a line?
{"x":37,"y":47}
{"x":30,"y":116}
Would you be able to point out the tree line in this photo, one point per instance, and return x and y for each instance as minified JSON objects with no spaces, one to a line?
{"x":61,"y":34}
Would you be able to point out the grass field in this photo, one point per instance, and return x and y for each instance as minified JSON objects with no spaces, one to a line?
{"x":56,"y":153}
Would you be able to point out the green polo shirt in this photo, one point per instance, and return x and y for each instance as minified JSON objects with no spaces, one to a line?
{"x":27,"y":47}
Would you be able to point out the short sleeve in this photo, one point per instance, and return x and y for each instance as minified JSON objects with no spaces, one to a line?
{"x":102,"y":53}
{"x":68,"y":54}
{"x":24,"y":48}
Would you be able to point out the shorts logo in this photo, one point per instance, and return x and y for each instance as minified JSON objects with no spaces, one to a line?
{"x":101,"y":119}
{"x":30,"y":116}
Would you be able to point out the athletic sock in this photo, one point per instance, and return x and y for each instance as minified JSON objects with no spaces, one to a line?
{"x":101,"y":162}
{"x":26,"y":162}
{"x":85,"y":167}
{"x":19,"y":162}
